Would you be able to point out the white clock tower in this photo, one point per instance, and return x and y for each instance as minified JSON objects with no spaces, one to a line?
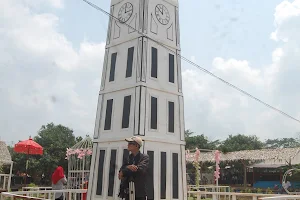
{"x":141,"y":94}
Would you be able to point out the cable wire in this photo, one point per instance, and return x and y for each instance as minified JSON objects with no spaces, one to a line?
{"x":199,"y":67}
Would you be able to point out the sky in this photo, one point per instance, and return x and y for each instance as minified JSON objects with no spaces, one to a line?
{"x":51,"y":56}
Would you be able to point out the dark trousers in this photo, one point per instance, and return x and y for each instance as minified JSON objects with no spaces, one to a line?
{"x":60,"y":198}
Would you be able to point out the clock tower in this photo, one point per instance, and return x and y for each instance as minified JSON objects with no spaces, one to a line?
{"x":141,"y":95}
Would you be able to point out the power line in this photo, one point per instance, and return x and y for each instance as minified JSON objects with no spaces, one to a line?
{"x":199,"y":67}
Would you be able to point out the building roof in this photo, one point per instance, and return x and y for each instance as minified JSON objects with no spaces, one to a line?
{"x":5,"y":156}
{"x":254,"y":155}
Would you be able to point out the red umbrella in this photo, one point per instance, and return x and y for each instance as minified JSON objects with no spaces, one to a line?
{"x":28,"y":147}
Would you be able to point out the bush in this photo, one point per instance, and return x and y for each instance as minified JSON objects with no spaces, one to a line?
{"x":269,"y":191}
{"x":259,"y":190}
{"x":32,"y":185}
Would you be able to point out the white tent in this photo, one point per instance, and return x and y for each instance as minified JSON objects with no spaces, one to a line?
{"x":5,"y":159}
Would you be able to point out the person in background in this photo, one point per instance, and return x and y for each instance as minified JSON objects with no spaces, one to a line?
{"x":134,"y":169}
{"x":58,"y":181}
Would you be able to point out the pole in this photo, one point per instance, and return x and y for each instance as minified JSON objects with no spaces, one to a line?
{"x":9,"y":179}
{"x":26,"y":167}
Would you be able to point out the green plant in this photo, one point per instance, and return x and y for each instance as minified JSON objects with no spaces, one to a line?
{"x":248,"y":190}
{"x":32,"y":185}
{"x":269,"y":191}
{"x":259,"y":190}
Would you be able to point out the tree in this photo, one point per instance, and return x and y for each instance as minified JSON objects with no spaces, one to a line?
{"x":200,"y":142}
{"x":188,"y":133}
{"x":55,"y":139}
{"x":241,"y":142}
{"x":282,"y":143}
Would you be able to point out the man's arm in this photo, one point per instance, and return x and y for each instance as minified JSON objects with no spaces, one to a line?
{"x":142,"y":166}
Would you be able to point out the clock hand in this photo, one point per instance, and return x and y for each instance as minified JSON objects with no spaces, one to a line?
{"x":126,"y":11}
{"x":161,"y":11}
{"x":125,"y":8}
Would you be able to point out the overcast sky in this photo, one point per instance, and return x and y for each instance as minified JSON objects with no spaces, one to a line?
{"x":51,"y":55}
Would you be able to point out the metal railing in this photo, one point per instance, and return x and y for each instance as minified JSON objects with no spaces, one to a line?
{"x":229,"y":195}
{"x":69,"y":194}
{"x":284,"y":197}
{"x":35,"y":188}
{"x":5,"y":181}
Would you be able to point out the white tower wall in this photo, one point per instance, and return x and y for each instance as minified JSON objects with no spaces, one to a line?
{"x":141,"y":94}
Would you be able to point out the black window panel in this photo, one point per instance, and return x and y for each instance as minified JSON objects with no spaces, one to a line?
{"x":100,"y":172}
{"x":150,"y":176}
{"x":153,"y":113}
{"x":125,"y":156}
{"x":126,"y":111}
{"x":175,"y":175}
{"x":112,"y":67}
{"x":163,"y":180}
{"x":108,"y":114}
{"x":171,"y":68}
{"x":154,"y":63}
{"x":171,"y":117}
{"x":112,"y":171}
{"x":129,"y":62}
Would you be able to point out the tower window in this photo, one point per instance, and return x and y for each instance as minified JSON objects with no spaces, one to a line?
{"x":112,"y":171}
{"x":100,"y":172}
{"x":171,"y":68}
{"x":129,"y":62}
{"x":171,"y":117}
{"x":154,"y":63}
{"x":112,"y":67}
{"x":175,"y":175}
{"x":108,"y":114}
{"x":163,"y":180}
{"x":126,"y":111}
{"x":153,"y":113}
{"x":150,"y":178}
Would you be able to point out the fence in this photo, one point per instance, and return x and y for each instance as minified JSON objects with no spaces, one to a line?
{"x":4,"y":181}
{"x":230,"y":195}
{"x":69,"y":194}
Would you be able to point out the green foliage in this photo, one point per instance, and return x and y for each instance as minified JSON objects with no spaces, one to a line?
{"x":201,"y":142}
{"x":269,"y":191}
{"x":55,"y":139}
{"x":240,"y":142}
{"x":31,"y":185}
{"x":188,"y":133}
{"x":282,"y":143}
{"x":259,"y":190}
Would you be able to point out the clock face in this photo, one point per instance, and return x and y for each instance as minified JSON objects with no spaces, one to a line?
{"x":162,"y":14}
{"x":125,"y":12}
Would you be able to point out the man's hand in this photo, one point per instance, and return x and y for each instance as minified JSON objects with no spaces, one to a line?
{"x":120,"y":175}
{"x":133,"y":168}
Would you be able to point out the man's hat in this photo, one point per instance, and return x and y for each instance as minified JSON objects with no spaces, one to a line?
{"x":136,"y":139}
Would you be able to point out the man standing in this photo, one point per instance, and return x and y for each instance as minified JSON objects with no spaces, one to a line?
{"x":134,"y":170}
